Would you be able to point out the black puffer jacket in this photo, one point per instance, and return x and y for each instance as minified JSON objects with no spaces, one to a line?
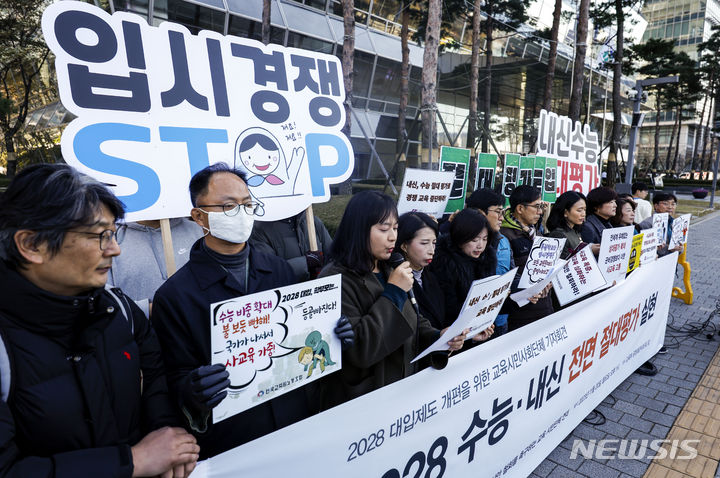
{"x":83,"y":389}
{"x":456,"y":271}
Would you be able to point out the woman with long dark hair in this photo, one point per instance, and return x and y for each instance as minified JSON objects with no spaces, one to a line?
{"x":566,"y":219}
{"x":463,"y":256}
{"x":388,"y":332}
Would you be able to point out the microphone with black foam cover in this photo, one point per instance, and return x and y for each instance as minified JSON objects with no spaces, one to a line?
{"x":395,"y":260}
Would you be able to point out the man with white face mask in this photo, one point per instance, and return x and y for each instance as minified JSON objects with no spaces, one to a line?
{"x":222,"y":265}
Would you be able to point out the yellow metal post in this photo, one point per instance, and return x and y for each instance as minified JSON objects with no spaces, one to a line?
{"x":687,"y":295}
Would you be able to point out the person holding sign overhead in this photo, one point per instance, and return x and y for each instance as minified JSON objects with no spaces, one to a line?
{"x":222,"y":266}
{"x":389,"y":333}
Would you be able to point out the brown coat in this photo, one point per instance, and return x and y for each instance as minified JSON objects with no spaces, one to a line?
{"x":384,"y":339}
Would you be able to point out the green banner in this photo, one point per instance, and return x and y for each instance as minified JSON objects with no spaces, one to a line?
{"x":458,"y":161}
{"x":527,"y":164}
{"x":485,"y":174}
{"x":510,"y":174}
{"x":539,"y":173}
{"x":550,"y":185}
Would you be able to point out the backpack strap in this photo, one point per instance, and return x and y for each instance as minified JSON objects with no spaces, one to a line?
{"x":122,"y":301}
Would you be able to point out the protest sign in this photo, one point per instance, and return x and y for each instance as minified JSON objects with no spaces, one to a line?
{"x":660,"y":224}
{"x":549,"y":191}
{"x":485,"y":173}
{"x":635,"y":252}
{"x":543,"y":255}
{"x":497,"y":410}
{"x":425,"y":191}
{"x":510,"y":175}
{"x":456,"y":160}
{"x":539,"y":173}
{"x":155,"y":105}
{"x":649,"y":247}
{"x":275,"y":341}
{"x":575,"y":148}
{"x":481,"y":307}
{"x":615,"y":252}
{"x":680,"y":227}
{"x":527,"y":165}
{"x":522,"y":297}
{"x":580,"y":276}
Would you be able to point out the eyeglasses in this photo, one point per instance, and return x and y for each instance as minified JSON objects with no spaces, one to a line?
{"x":539,"y":207}
{"x":668,"y":203}
{"x":497,"y":211}
{"x":107,"y":235}
{"x":233,"y":208}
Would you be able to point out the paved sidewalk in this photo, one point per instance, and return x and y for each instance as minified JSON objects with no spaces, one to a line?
{"x":645,"y":408}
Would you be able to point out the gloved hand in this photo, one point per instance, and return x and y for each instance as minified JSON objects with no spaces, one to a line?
{"x":344,"y":331}
{"x":206,"y":387}
{"x":315,"y":262}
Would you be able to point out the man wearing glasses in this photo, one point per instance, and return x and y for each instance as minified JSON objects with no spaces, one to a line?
{"x":663,"y":202}
{"x":82,"y":385}
{"x":222,"y":266}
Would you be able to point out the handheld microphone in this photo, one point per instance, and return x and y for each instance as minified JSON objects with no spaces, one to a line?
{"x":395,"y":260}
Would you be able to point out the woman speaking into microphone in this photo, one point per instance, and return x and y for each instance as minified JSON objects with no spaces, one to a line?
{"x":388,"y":331}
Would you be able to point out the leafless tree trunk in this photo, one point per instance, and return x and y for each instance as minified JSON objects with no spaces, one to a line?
{"x":677,"y":140}
{"x":705,"y":161}
{"x":404,"y":76}
{"x":698,"y":135}
{"x":550,"y":77}
{"x":668,"y":157}
{"x":617,"y":105}
{"x":347,"y":59}
{"x":266,"y":22}
{"x":656,"y":152}
{"x":579,"y":63}
{"x":429,"y":73}
{"x":474,"y":76}
{"x":488,"y":77}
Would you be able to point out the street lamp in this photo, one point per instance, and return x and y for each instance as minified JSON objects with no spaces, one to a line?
{"x":638,"y":118}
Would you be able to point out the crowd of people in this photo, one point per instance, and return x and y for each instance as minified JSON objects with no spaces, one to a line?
{"x":95,"y":385}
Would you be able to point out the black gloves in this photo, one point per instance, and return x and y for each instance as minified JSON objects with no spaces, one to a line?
{"x":344,"y":331}
{"x":206,"y":387}
{"x":315,"y":261}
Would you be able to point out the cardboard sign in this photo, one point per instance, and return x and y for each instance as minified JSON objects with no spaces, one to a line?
{"x":635,"y":252}
{"x":580,"y":277}
{"x":155,"y":105}
{"x":485,"y":173}
{"x":456,"y":160}
{"x":575,"y":148}
{"x":680,"y":227}
{"x":275,"y":341}
{"x":425,"y":191}
{"x":615,"y":252}
{"x":542,"y":257}
{"x":649,"y":247}
{"x":481,"y":307}
{"x":660,"y":224}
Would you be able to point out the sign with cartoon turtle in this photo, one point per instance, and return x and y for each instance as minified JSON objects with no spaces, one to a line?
{"x":275,"y":341}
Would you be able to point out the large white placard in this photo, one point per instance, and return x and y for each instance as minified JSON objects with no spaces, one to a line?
{"x":580,"y":277}
{"x":649,"y":247}
{"x":482,"y":304}
{"x":275,"y":341}
{"x":660,"y":224}
{"x":425,"y":191}
{"x":496,"y":411}
{"x":522,"y":297}
{"x":155,"y":105}
{"x":543,"y":255}
{"x":615,"y":252}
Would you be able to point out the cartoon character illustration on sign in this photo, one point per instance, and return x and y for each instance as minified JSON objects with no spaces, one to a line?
{"x":259,"y":154}
{"x":316,"y":351}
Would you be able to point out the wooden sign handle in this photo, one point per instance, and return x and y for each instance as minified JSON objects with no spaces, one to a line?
{"x":312,"y":236}
{"x":167,"y":246}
